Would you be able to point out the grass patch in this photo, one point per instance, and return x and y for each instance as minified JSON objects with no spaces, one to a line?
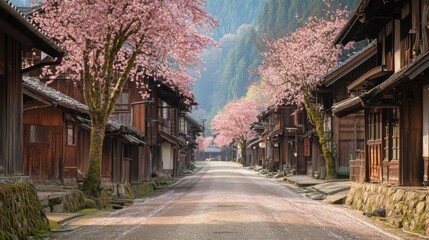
{"x":88,"y":210}
{"x":54,"y":225}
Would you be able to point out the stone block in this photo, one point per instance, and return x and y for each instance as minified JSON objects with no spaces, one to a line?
{"x":55,"y":199}
{"x":44,"y":200}
{"x":58,"y":208}
{"x":390,"y":192}
{"x":394,"y":221}
{"x":47,"y":209}
{"x":380,"y":212}
{"x":421,"y":197}
{"x":399,"y":195}
{"x":121,"y":191}
{"x":411,"y":204}
{"x":420,"y":207}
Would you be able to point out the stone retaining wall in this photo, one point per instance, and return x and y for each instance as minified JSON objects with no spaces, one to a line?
{"x":21,"y":214}
{"x":406,"y":208}
{"x":59,"y":202}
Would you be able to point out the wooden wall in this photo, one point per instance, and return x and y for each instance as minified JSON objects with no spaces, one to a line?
{"x":139,"y":117}
{"x":411,"y":132}
{"x":349,"y":137}
{"x":10,"y":107}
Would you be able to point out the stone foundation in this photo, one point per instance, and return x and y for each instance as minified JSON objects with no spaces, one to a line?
{"x":406,"y":207}
{"x":60,"y":202}
{"x":21,"y":213}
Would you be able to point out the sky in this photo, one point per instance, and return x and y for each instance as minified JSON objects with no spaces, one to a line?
{"x":21,"y":3}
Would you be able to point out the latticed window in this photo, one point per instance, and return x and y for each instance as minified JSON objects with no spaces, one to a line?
{"x":375,"y":126}
{"x":128,"y":151}
{"x":123,"y":103}
{"x":70,"y":134}
{"x":391,"y":134}
{"x":39,"y":134}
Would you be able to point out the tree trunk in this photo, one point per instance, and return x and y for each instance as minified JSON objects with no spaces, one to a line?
{"x":318,"y":120}
{"x":242,"y":144}
{"x":92,"y":181}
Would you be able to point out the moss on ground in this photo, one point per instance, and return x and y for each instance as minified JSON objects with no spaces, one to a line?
{"x":22,"y":213}
{"x":104,"y":200}
{"x":54,"y":225}
{"x":88,"y":211}
{"x":129,"y":191}
{"x":144,"y":189}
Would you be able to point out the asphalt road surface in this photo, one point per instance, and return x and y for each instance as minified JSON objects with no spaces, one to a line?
{"x":225,"y":201}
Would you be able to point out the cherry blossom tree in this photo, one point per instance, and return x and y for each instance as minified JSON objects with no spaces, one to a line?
{"x":204,"y":142}
{"x":294,"y":65}
{"x":109,"y":42}
{"x":233,"y":123}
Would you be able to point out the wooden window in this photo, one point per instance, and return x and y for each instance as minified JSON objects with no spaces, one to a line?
{"x":381,"y":47}
{"x":123,"y":103}
{"x":405,"y":36}
{"x":391,"y":134}
{"x":39,"y":134}
{"x":395,"y":134}
{"x":375,"y":126}
{"x":71,"y":135}
{"x":128,"y":151}
{"x":307,"y":147}
{"x":183,"y":125}
{"x":165,"y":110}
{"x":389,"y":47}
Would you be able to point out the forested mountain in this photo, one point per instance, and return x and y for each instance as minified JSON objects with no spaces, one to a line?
{"x":229,"y":70}
{"x":233,"y":13}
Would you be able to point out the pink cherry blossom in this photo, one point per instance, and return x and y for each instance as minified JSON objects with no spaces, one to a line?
{"x":203,"y":142}
{"x":294,"y":64}
{"x":166,"y":36}
{"x":233,"y":123}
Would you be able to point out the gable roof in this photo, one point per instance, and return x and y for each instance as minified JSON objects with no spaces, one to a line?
{"x":367,"y":20}
{"x":349,"y":64}
{"x":409,"y":72}
{"x":40,"y":91}
{"x":21,"y":25}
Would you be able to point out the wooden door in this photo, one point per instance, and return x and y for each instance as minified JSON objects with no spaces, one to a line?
{"x":375,"y":145}
{"x":37,"y":153}
{"x":56,"y":170}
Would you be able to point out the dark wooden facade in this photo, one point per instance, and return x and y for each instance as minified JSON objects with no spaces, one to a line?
{"x":348,"y":132}
{"x":281,"y":138}
{"x":396,"y":122}
{"x":57,"y":139}
{"x":16,"y":35}
{"x":55,"y":144}
{"x":158,"y":119}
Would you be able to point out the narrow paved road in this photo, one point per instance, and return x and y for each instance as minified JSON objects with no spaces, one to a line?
{"x":225,"y":201}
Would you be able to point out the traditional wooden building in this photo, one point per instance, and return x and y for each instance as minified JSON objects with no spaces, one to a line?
{"x":283,"y":146}
{"x":158,"y":118}
{"x":189,"y":129}
{"x":53,"y":140}
{"x":348,"y":132}
{"x":17,"y":35}
{"x":396,"y":103}
{"x":56,"y":140}
{"x":255,"y":150}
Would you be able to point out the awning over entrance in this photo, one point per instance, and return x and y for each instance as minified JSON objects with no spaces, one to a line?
{"x":171,"y":139}
{"x":254,"y":143}
{"x":348,"y":106}
{"x":357,"y":103}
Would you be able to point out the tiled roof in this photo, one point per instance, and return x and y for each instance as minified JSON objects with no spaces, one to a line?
{"x":35,"y":86}
{"x":33,"y":31}
{"x":39,"y":90}
{"x":351,"y":58}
